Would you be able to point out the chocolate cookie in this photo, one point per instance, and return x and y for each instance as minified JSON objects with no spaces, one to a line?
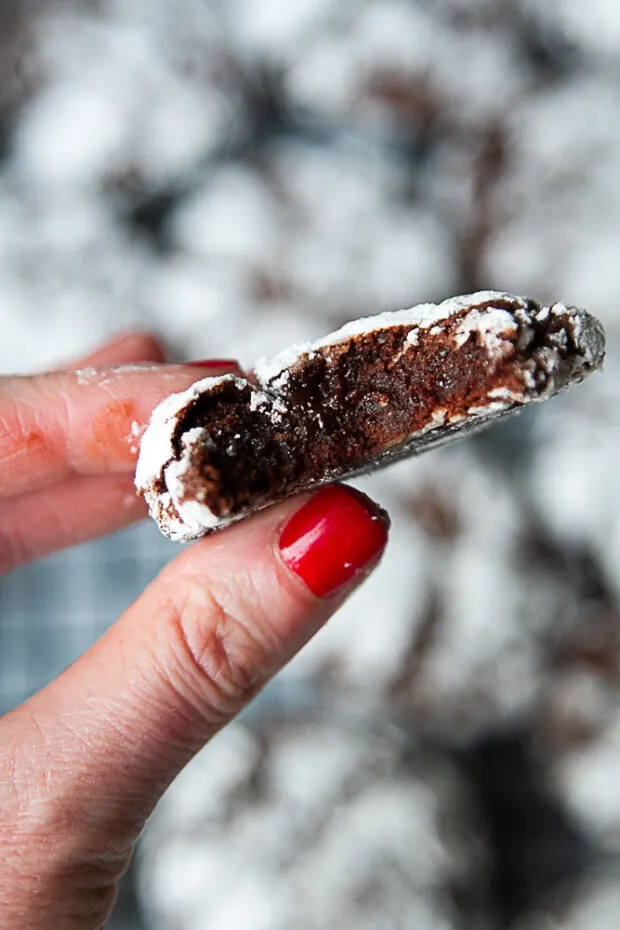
{"x":377,"y":390}
{"x":310,"y":823}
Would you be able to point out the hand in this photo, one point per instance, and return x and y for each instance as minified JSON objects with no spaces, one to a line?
{"x":84,"y":762}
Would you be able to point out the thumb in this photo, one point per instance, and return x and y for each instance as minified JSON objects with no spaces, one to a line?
{"x":88,"y":757}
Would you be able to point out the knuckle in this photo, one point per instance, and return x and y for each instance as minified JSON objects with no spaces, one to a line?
{"x":223,"y":659}
{"x":17,"y":428}
{"x":27,"y":442}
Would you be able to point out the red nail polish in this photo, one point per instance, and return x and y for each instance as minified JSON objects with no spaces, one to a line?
{"x":333,"y":537}
{"x":215,"y":363}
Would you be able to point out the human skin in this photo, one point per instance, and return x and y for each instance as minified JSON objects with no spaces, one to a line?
{"x":84,"y":762}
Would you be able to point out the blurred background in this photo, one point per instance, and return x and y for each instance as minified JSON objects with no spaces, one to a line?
{"x":237,"y":175}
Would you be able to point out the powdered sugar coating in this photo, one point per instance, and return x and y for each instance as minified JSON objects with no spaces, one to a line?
{"x":493,"y":323}
{"x":422,"y":316}
{"x":180,"y":518}
{"x":492,"y":327}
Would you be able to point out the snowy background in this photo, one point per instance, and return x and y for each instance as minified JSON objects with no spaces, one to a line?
{"x":238,"y":175}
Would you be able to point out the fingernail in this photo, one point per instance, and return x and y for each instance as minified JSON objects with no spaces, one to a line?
{"x":215,"y":363}
{"x":333,"y":538}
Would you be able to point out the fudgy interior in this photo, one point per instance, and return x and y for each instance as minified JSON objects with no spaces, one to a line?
{"x":364,"y":396}
{"x":244,"y":459}
{"x":342,"y":405}
{"x":346,"y":405}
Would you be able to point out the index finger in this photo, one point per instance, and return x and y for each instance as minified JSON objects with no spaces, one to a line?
{"x":86,"y":422}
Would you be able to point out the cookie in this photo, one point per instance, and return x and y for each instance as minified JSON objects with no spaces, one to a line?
{"x":312,"y":823}
{"x":377,"y":390}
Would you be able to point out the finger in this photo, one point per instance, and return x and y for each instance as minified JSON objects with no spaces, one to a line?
{"x":94,"y":751}
{"x":71,"y":512}
{"x":59,"y":425}
{"x":125,"y":348}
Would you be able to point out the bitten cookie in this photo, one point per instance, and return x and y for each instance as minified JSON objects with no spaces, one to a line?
{"x":375,"y":391}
